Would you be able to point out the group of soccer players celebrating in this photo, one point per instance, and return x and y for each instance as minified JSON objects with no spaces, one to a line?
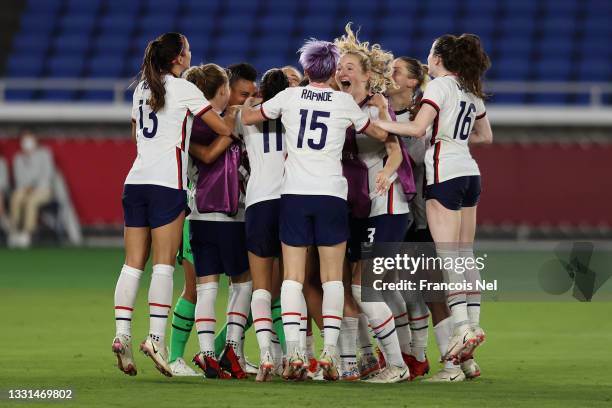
{"x":283,"y":182}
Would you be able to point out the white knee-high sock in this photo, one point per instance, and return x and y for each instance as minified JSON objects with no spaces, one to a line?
{"x":125,"y":297}
{"x":347,"y":342}
{"x":291,"y":305}
{"x":383,"y":326}
{"x":364,"y":335}
{"x":333,"y":308}
{"x":160,"y":300}
{"x":205,"y":316}
{"x":472,"y":275}
{"x":443,"y":332}
{"x":419,"y":325}
{"x":261,"y":304}
{"x":397,"y":304}
{"x":457,"y":301}
{"x":238,"y":308}
{"x":303,"y":325}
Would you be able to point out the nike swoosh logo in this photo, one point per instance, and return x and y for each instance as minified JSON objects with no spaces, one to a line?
{"x":465,"y":337}
{"x":404,"y":374}
{"x":453,"y":378}
{"x":154,"y":348}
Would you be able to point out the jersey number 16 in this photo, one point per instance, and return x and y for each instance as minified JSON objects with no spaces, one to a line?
{"x":463,"y":126}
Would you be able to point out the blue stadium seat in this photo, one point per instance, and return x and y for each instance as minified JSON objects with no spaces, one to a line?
{"x":508,"y":98}
{"x":322,"y":7}
{"x":512,"y":68}
{"x":112,"y":44}
{"x":549,"y":69}
{"x":162,"y":7}
{"x":440,"y":8}
{"x":24,"y":66}
{"x":555,"y":45}
{"x":30,"y":43}
{"x":71,"y":44}
{"x":105,"y":66}
{"x":195,"y":8}
{"x":437,"y":25}
{"x":122,"y":7}
{"x":77,"y":24}
{"x":559,"y":25}
{"x":231,"y":22}
{"x":233,"y":42}
{"x":549,"y":98}
{"x":79,"y":7}
{"x":273,"y":44}
{"x":319,"y":26}
{"x":480,"y":8}
{"x":595,"y":71}
{"x":242,"y":7}
{"x":515,"y":46}
{"x":111,"y":24}
{"x":36,"y":23}
{"x":43,"y":7}
{"x":66,"y":66}
{"x":518,"y":8}
{"x":278,"y":24}
{"x":398,"y":7}
{"x":560,"y":7}
{"x":196,"y":24}
{"x":19,"y":95}
{"x":262,"y":64}
{"x":157,"y":24}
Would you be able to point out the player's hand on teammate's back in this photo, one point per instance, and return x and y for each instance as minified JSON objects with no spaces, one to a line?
{"x":379,"y":101}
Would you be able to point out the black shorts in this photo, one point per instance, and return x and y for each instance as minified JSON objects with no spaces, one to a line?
{"x":218,"y":247}
{"x":262,"y":228}
{"x":150,"y":205}
{"x":455,"y":193}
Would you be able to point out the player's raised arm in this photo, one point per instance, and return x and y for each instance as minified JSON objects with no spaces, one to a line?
{"x":416,"y":128}
{"x":218,"y":124}
{"x":208,"y":154}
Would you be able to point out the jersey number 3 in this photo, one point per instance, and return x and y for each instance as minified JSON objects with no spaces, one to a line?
{"x":314,"y":125}
{"x":463,"y":126}
{"x":147,"y":132}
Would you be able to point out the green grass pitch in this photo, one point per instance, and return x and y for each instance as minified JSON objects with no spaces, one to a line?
{"x":57,"y":327}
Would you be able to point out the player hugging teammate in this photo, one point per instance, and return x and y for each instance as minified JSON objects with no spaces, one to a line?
{"x":278,"y":183}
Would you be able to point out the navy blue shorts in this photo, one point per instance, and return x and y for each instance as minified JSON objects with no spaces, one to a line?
{"x":262,"y":229}
{"x":381,"y":228}
{"x":455,"y":193}
{"x":313,"y":220}
{"x":149,"y":205}
{"x":218,"y":247}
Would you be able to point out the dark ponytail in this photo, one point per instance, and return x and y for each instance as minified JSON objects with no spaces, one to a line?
{"x":273,"y":81}
{"x":465,"y":57}
{"x":159,"y":57}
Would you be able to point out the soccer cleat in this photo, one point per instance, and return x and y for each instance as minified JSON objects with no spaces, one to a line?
{"x":249,"y":367}
{"x":417,"y":368}
{"x":381,"y":358}
{"x":391,"y":374}
{"x":293,"y":366}
{"x":266,"y":366}
{"x":152,"y":349}
{"x":461,"y":345}
{"x":368,"y":366}
{"x":279,"y":367}
{"x":470,"y":369}
{"x":210,"y":366}
{"x":313,"y":368}
{"x":122,"y":347}
{"x":230,"y":362}
{"x":329,"y":364}
{"x":349,"y":372}
{"x":447,"y":375}
{"x":479,"y":333}
{"x":180,"y":368}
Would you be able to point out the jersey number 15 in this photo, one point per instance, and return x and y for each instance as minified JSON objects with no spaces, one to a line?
{"x":314,"y":125}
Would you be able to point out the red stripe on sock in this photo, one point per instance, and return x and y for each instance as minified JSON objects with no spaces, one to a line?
{"x":304,"y":318}
{"x":333,"y":317}
{"x":160,"y":305}
{"x":292,"y":314}
{"x":124,"y":308}
{"x":263,"y":319}
{"x":205,"y":320}
{"x":386,"y":321}
{"x":419,"y":318}
{"x":237,"y":314}
{"x":402,"y":315}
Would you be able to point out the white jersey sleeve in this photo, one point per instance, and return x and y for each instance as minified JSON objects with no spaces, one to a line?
{"x":359,"y":118}
{"x":191,"y":98}
{"x":272,"y":108}
{"x":449,"y":156}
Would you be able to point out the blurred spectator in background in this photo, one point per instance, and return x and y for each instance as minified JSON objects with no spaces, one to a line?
{"x":4,"y":188}
{"x":34,"y":171}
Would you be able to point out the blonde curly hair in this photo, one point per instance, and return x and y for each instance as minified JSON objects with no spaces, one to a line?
{"x":373,"y":59}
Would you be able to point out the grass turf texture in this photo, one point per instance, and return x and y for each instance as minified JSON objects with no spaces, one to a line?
{"x":57,"y":310}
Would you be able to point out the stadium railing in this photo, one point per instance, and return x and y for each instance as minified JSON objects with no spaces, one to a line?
{"x":595,"y":113}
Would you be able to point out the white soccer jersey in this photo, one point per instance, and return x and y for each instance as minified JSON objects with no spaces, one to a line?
{"x":162,"y":138}
{"x":449,"y":156}
{"x":265,"y":145}
{"x":315,"y":121}
{"x":374,"y":154}
{"x":416,"y":149}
